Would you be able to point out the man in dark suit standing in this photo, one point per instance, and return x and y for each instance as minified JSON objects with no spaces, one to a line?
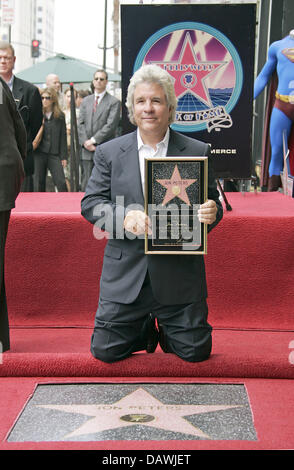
{"x":133,"y":284}
{"x":98,"y":121}
{"x":29,"y":104}
{"x":12,"y":152}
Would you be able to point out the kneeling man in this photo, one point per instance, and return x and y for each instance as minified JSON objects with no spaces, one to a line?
{"x":136,"y":288}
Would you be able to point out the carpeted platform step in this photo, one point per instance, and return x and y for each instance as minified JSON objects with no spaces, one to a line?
{"x":59,"y":352}
{"x":53,"y":263}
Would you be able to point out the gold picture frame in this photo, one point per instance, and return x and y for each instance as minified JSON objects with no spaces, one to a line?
{"x":175,"y":187}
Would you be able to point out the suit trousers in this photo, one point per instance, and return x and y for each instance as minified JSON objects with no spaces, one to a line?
{"x":4,"y":324}
{"x":44,"y":162}
{"x":121,"y":329}
{"x":87,"y":167}
{"x":27,"y":184}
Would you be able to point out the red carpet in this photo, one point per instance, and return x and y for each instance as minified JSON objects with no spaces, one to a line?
{"x":52,"y":277}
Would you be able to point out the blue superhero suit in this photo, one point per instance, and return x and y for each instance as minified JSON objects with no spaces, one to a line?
{"x":280,"y":60}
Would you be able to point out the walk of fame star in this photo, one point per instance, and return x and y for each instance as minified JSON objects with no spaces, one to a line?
{"x":189,"y":73}
{"x":138,"y":408}
{"x":176,"y":187}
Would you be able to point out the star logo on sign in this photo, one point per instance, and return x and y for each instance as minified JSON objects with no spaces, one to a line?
{"x":190,"y":74}
{"x":138,"y":408}
{"x":176,"y":187}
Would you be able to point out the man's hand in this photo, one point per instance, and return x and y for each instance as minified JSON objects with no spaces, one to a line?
{"x":138,"y":223}
{"x":207,"y":212}
{"x":88,"y":144}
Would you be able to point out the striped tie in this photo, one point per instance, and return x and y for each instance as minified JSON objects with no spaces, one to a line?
{"x":95,"y":103}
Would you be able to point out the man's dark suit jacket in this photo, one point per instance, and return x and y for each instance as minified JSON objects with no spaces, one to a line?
{"x":13,"y":142}
{"x":174,"y":279}
{"x":29,"y":104}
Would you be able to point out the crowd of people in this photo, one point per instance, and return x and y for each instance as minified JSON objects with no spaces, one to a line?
{"x":47,"y":114}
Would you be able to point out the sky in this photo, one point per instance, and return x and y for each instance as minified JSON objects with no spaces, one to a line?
{"x":79,"y":29}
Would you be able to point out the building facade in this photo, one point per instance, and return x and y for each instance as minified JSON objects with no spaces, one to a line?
{"x":21,"y":22}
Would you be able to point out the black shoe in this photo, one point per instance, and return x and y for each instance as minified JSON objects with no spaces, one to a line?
{"x":152,"y":335}
{"x":274,"y":183}
{"x":162,"y":340}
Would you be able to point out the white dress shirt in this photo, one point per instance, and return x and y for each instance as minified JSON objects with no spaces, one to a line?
{"x":147,"y":151}
{"x":10,"y":83}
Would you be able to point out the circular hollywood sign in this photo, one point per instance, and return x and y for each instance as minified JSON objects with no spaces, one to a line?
{"x":206,"y":70}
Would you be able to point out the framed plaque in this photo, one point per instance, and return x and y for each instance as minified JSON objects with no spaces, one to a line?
{"x":175,"y":187}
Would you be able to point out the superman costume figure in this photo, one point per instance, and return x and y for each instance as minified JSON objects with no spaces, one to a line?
{"x":280,"y":62}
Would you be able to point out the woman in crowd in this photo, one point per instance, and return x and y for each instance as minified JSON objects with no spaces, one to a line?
{"x":50,"y":144}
